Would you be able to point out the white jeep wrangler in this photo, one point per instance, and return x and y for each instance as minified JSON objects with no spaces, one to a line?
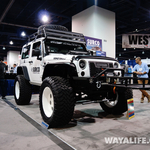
{"x":57,"y":60}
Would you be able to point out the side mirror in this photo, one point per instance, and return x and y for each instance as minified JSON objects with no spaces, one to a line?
{"x":36,"y":52}
{"x":90,"y":52}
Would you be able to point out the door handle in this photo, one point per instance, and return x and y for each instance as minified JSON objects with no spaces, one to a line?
{"x":30,"y":62}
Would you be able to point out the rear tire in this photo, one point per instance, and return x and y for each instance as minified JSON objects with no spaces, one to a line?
{"x":22,"y":90}
{"x":119,"y":105}
{"x":56,"y":101}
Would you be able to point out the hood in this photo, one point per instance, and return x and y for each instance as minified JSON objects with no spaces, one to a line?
{"x":58,"y":57}
{"x":94,"y":57}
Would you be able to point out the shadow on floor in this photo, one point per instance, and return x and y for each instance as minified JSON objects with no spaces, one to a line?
{"x":90,"y":117}
{"x":104,"y":115}
{"x":95,"y":114}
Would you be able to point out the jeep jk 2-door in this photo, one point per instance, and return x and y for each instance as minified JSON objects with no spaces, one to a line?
{"x":58,"y":62}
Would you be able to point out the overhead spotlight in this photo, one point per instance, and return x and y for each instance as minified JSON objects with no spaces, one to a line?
{"x":134,"y":56}
{"x":23,"y":34}
{"x":124,"y":49}
{"x":4,"y":48}
{"x":119,"y":54}
{"x":11,"y":43}
{"x":136,"y":30}
{"x":143,"y":52}
{"x":45,"y":18}
{"x":129,"y":59}
{"x":134,"y":47}
{"x":96,"y":2}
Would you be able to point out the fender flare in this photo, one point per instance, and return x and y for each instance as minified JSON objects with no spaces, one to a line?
{"x":22,"y":70}
{"x":55,"y":70}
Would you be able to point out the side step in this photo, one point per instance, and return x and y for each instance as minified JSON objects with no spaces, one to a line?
{"x":98,"y":101}
{"x":84,"y":102}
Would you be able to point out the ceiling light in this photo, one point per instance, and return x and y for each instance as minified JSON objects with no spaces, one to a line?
{"x":23,"y":34}
{"x":134,"y":56}
{"x":11,"y":43}
{"x":124,"y":49}
{"x":119,"y":54}
{"x":143,"y":52}
{"x":129,"y":59}
{"x":4,"y":48}
{"x":136,"y":30}
{"x":134,"y":47}
{"x":45,"y":18}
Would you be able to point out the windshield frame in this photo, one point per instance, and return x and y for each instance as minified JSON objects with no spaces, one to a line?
{"x":64,"y":47}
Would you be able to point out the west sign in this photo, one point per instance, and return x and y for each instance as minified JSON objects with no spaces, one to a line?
{"x":136,"y":41}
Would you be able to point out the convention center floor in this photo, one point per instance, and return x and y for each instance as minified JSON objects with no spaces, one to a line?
{"x":22,"y":128}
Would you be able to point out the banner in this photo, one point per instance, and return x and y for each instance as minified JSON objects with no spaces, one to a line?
{"x":101,"y":53}
{"x":136,"y":41}
{"x":95,"y":45}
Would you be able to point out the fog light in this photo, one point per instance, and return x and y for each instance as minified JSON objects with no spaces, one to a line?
{"x":82,"y":73}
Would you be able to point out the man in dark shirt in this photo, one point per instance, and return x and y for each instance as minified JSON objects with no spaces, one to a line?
{"x":2,"y":78}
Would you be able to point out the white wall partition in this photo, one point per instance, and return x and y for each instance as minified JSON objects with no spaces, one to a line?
{"x":98,"y":23}
{"x":12,"y":58}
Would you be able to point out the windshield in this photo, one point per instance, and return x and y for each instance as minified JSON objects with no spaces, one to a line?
{"x":53,"y":46}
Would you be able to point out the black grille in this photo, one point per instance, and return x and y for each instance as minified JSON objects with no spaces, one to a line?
{"x":110,"y":65}
{"x":97,"y":67}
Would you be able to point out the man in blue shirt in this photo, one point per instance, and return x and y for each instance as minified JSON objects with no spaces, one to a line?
{"x":141,"y":69}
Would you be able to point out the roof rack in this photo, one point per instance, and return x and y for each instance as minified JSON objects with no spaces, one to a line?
{"x":58,"y":35}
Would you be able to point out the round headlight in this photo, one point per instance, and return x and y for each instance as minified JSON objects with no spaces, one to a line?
{"x":82,"y":64}
{"x":116,"y":65}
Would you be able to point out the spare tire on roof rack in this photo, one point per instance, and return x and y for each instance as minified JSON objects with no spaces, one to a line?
{"x":50,"y":26}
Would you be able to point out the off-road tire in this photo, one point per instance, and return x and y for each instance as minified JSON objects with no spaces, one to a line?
{"x":59,"y":94}
{"x":22,"y":90}
{"x":121,"y":105}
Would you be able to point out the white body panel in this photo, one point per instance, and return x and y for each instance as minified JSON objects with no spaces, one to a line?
{"x":35,"y":66}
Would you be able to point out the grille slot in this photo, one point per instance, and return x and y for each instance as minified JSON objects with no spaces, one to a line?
{"x":97,"y":67}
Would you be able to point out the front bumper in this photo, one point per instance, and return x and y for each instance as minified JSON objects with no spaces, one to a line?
{"x":103,"y":80}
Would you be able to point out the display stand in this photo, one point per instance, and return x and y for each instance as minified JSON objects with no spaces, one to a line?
{"x":130,"y":111}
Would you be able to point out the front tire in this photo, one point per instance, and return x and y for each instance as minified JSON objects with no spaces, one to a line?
{"x":56,"y":101}
{"x":119,"y":104}
{"x":22,"y":90}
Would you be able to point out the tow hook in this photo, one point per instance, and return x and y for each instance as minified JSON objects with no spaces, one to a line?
{"x":98,"y":84}
{"x":114,"y":88}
